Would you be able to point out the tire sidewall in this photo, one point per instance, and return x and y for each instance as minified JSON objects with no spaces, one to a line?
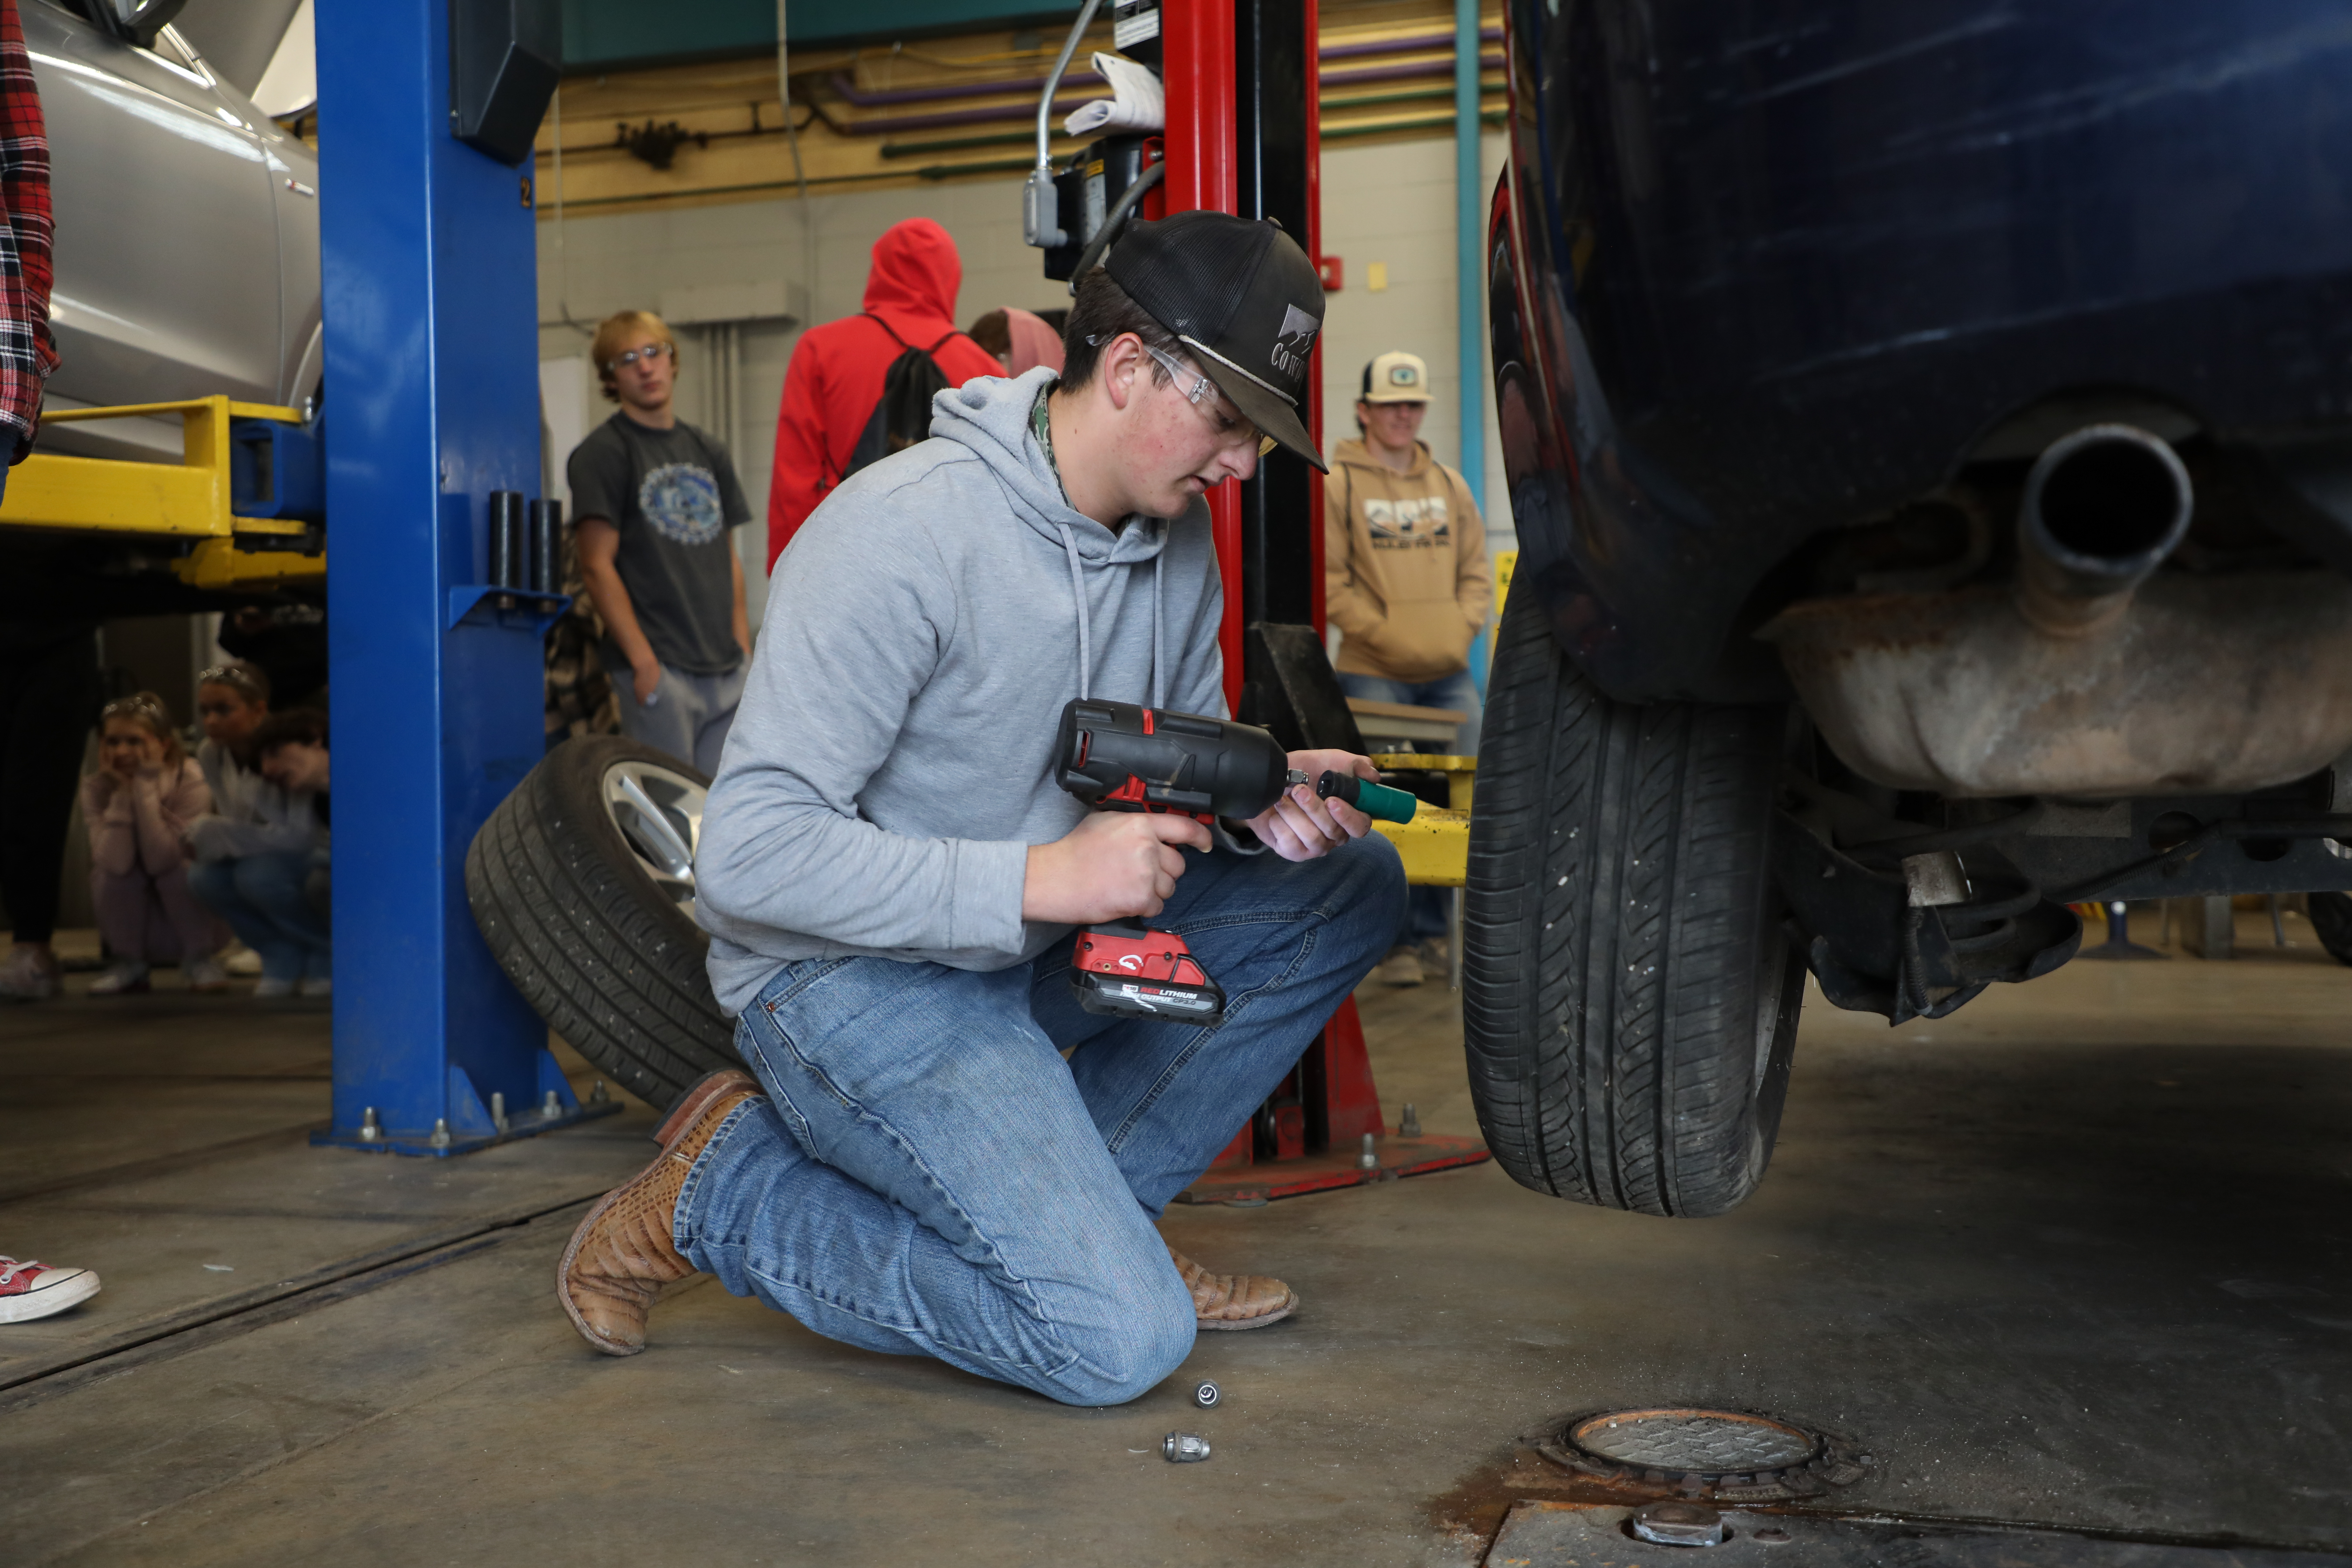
{"x":572,"y":797}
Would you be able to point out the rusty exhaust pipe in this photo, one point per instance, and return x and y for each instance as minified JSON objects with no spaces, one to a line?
{"x":2103,"y":509}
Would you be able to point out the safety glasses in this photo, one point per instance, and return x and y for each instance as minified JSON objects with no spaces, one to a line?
{"x":1203,"y":395}
{"x":650,"y":351}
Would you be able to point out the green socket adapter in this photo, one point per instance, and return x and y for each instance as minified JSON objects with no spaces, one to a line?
{"x":1376,"y":801}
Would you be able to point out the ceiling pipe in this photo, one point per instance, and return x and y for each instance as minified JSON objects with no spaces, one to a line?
{"x":885,"y":125}
{"x":847,"y":87}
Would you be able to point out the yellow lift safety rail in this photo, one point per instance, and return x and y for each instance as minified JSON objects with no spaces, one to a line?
{"x":186,"y":501}
{"x":1436,"y":844}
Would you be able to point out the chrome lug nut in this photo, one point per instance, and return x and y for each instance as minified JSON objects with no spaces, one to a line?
{"x":1183,"y":1448}
{"x":1678,"y":1524}
{"x":1207,"y":1395}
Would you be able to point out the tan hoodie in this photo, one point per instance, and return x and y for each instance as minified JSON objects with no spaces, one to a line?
{"x":1405,"y":565}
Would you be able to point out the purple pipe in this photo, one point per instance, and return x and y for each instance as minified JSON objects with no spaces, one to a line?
{"x":1406,"y":43}
{"x":1359,"y":76}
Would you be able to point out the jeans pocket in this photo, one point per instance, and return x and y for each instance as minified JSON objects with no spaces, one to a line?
{"x":788,"y":982}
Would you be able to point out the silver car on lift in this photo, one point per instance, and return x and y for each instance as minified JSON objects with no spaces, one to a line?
{"x":187,"y":229}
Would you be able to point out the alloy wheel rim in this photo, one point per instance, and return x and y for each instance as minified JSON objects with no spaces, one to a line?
{"x":658,"y":813}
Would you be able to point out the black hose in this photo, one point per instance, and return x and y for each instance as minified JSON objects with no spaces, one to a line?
{"x":1113,"y":221}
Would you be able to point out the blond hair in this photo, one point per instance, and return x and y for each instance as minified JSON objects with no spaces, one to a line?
{"x":617,"y":329}
{"x":146,"y":708}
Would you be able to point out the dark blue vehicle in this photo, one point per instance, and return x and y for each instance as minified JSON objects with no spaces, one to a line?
{"x":1929,"y":432}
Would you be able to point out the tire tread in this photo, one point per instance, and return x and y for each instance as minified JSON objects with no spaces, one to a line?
{"x":1620,"y":920}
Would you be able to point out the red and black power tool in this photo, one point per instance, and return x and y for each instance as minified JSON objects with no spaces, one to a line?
{"x":1118,"y":756}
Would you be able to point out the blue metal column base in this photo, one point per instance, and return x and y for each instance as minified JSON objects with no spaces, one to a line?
{"x":427,"y":250}
{"x":518,"y":1127}
{"x":475,"y":1123}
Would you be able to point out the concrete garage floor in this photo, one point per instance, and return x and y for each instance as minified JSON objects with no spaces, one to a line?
{"x":2074,"y":1257}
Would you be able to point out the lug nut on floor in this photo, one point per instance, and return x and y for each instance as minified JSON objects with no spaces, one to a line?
{"x":1678,"y":1524}
{"x":1183,"y":1448}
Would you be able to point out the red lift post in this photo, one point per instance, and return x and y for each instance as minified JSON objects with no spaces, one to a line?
{"x":1244,"y":135}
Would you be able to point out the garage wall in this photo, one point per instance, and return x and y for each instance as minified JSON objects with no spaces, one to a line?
{"x":1393,"y":203}
{"x":755,"y":264}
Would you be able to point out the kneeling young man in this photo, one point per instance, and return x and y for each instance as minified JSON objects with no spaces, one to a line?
{"x":890,"y":873}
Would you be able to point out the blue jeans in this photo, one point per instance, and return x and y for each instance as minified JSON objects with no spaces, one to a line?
{"x":1456,"y":691}
{"x":1430,"y":913}
{"x":929,"y":1177}
{"x":264,"y":899}
{"x":689,"y":715}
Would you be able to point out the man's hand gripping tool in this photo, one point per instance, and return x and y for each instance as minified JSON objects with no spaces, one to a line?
{"x":1117,"y":756}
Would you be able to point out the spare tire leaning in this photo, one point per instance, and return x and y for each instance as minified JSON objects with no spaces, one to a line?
{"x":583,"y":883}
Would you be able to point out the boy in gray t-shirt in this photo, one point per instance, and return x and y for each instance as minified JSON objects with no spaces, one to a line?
{"x":655,"y":499}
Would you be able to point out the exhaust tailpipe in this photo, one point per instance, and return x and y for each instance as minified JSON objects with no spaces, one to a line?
{"x":2103,"y":509}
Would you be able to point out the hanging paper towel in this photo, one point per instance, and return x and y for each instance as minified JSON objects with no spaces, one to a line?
{"x":1137,"y":102}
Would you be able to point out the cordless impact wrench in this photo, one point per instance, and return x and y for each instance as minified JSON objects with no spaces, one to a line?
{"x":1117,"y":756}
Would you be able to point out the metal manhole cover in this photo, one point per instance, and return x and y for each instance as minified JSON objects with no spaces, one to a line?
{"x":1734,"y":1455}
{"x":1711,"y":1442}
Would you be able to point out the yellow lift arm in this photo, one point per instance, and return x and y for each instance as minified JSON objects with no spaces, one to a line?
{"x":1436,"y":844}
{"x":189,"y":502}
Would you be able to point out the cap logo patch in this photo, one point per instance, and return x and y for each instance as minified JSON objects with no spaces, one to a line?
{"x":1294,"y":341}
{"x":1403,"y":375}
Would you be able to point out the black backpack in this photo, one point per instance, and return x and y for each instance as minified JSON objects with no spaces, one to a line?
{"x":904,"y":416}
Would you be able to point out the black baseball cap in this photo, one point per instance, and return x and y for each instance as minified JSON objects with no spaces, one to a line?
{"x":1241,"y":296}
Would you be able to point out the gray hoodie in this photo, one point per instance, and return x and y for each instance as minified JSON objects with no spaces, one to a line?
{"x":890,"y":764}
{"x":251,"y":816}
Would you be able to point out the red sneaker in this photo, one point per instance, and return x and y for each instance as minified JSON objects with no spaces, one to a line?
{"x":30,"y":1290}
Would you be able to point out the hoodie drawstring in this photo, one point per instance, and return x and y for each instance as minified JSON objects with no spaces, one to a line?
{"x":1086,"y":637}
{"x":1086,"y":627}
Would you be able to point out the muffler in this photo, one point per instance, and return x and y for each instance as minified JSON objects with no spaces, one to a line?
{"x":2103,"y":509}
{"x":2093,"y":675}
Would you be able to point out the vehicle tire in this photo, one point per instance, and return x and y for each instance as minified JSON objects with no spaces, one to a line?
{"x":2331,"y":921}
{"x":588,"y":911}
{"x":1629,"y":1003}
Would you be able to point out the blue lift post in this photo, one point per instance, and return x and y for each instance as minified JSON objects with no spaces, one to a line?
{"x":427,"y":251}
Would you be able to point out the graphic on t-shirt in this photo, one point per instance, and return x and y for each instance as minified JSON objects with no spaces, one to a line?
{"x":1421,"y":520}
{"x":681,"y":500}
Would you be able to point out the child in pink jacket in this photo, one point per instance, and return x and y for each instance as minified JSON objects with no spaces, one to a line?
{"x":138,"y":806}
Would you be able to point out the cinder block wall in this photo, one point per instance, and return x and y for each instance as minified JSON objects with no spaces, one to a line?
{"x":1390,"y":202}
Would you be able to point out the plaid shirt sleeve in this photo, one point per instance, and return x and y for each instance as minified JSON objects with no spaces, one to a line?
{"x":28,"y":353}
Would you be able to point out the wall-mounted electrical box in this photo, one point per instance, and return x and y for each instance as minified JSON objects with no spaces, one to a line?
{"x":505,"y":59}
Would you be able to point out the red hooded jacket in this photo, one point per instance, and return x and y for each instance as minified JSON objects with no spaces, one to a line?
{"x":837,"y":370}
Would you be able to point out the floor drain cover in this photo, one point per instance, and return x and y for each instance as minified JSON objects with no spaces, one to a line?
{"x":1731,"y":1454}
